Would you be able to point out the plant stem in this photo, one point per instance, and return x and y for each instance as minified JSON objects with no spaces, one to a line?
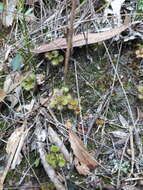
{"x":69,"y":39}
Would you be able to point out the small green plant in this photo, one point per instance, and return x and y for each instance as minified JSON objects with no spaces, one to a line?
{"x":140,"y":91}
{"x":1,"y":7}
{"x":55,"y":158}
{"x":16,"y":62}
{"x":140,"y":6}
{"x":37,"y":162}
{"x":54,"y":57}
{"x":124,"y":167}
{"x":62,"y":99}
{"x":29,"y":82}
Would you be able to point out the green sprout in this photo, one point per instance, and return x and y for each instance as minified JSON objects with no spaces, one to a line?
{"x":29,"y":82}
{"x":55,"y":158}
{"x":140,"y":6}
{"x":63,"y":99}
{"x":54,"y":57}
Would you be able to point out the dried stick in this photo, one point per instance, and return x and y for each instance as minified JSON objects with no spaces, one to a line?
{"x":54,"y":138}
{"x":69,"y":38}
{"x":43,"y":155}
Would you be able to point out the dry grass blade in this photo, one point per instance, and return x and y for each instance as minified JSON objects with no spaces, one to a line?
{"x":80,"y":152}
{"x":80,"y":40}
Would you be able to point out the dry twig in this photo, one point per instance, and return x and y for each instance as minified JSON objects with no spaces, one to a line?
{"x":48,"y":169}
{"x":69,"y":38}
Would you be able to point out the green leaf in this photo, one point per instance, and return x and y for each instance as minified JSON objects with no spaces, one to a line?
{"x":140,"y":5}
{"x":52,"y":104}
{"x":140,"y":96}
{"x":140,"y":89}
{"x":60,"y":107}
{"x":65,"y":101}
{"x":71,"y":107}
{"x":69,"y":97}
{"x":29,"y":83}
{"x":60,"y":157}
{"x":55,"y":54}
{"x":61,"y":58}
{"x":28,"y":12}
{"x":56,"y":90}
{"x":28,"y":86}
{"x":32,"y":76}
{"x":1,"y":7}
{"x":54,"y":148}
{"x":65,"y":89}
{"x":16,"y":63}
{"x":52,"y":160}
{"x":36,"y":163}
{"x":49,"y":55}
{"x":55,"y":62}
{"x":74,"y":102}
{"x":61,"y":163}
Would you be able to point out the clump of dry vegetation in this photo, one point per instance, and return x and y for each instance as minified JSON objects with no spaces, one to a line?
{"x":71,"y":93}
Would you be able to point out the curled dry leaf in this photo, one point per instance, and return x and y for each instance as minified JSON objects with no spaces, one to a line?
{"x":80,"y":40}
{"x":80,"y":152}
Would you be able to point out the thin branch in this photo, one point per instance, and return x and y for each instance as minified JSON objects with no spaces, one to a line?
{"x":69,"y":38}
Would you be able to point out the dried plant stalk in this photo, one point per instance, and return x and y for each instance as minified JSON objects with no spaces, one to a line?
{"x":69,"y":38}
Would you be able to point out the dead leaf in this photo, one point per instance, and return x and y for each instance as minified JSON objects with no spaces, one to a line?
{"x":11,"y":84}
{"x":100,"y":122}
{"x":80,"y":40}
{"x":119,"y":134}
{"x":139,"y":114}
{"x":9,"y":12}
{"x":116,"y":8}
{"x":129,"y":187}
{"x":80,"y":152}
{"x":14,"y":146}
{"x":68,"y":124}
{"x":13,"y":142}
{"x":81,"y":168}
{"x":27,"y":107}
{"x":2,"y":95}
{"x":123,"y":121}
